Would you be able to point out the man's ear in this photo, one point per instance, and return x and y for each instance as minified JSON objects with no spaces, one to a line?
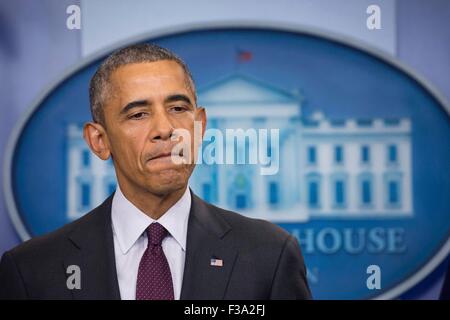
{"x":97,"y":139}
{"x":200,"y":115}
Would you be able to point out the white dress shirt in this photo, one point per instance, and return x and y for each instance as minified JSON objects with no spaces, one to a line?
{"x":130,"y":240}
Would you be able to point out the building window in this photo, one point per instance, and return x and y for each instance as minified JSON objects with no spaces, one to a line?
{"x":85,"y":195}
{"x":312,"y":155}
{"x":393,"y":197}
{"x":338,"y":154}
{"x":238,"y":155}
{"x":239,"y":192}
{"x":313,"y":186}
{"x":85,"y":158}
{"x":313,"y":190}
{"x":269,"y":147}
{"x":247,"y":150}
{"x":241,"y":201}
{"x":273,"y":193}
{"x":366,"y":191}
{"x":392,"y":154}
{"x":339,"y":192}
{"x":206,"y":190}
{"x":393,"y":191}
{"x":365,"y":154}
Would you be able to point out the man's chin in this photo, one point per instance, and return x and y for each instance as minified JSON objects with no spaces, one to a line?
{"x":166,"y":182}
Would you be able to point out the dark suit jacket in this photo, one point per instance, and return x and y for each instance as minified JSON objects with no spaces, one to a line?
{"x":260,"y":260}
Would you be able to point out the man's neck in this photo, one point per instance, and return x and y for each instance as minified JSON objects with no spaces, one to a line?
{"x":154,"y":206}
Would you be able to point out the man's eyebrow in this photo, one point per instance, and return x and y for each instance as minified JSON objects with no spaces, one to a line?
{"x":134,"y":104}
{"x":143,"y":103}
{"x":178,"y":97}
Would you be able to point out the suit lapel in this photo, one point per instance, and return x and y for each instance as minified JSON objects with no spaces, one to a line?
{"x":206,"y":241}
{"x":92,"y":250}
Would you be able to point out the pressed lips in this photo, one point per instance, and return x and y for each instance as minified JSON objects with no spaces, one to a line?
{"x":167,"y":154}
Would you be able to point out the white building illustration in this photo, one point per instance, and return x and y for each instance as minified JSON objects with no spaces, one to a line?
{"x":350,"y":168}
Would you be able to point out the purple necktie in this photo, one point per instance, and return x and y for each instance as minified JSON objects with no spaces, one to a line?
{"x":154,"y":281}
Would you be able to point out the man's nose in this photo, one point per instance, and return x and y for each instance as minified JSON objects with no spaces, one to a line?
{"x":162,"y":128}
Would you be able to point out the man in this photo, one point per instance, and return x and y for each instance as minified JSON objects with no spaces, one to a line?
{"x":153,"y":238}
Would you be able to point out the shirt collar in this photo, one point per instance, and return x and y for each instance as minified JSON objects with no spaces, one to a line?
{"x":129,"y":222}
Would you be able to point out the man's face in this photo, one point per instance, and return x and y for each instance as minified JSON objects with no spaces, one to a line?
{"x":146,"y":103}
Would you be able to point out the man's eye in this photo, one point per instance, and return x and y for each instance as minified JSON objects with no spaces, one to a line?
{"x":178,"y":108}
{"x":138,"y":115}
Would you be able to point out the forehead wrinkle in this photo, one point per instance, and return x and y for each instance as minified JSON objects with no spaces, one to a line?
{"x":115,"y":84}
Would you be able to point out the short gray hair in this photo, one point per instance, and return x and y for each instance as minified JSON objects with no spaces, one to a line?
{"x":138,"y":53}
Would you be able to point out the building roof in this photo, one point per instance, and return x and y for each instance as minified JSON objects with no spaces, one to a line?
{"x":242,"y":89}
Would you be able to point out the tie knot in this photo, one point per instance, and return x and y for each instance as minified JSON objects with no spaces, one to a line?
{"x":156,"y":233}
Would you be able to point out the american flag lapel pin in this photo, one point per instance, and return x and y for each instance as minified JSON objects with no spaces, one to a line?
{"x":215,"y":262}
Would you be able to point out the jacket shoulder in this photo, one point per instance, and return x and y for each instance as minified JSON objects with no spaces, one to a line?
{"x":254,"y":231}
{"x":53,"y":243}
